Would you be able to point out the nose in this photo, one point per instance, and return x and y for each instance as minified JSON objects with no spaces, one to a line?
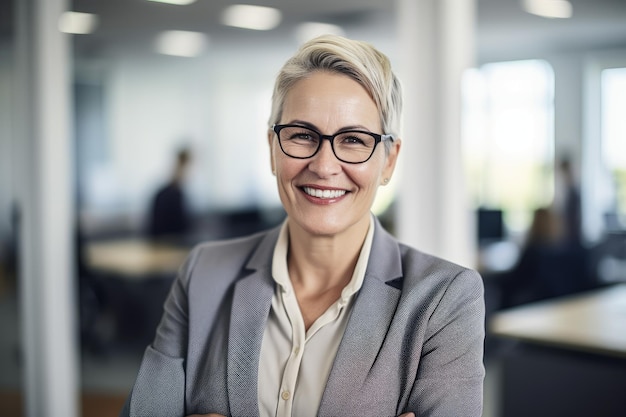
{"x":324,"y":163}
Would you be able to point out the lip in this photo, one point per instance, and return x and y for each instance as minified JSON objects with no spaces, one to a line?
{"x":322,"y":200}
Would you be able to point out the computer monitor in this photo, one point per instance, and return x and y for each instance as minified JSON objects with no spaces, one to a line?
{"x":490,"y":225}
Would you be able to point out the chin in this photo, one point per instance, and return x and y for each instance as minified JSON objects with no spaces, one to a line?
{"x":327,"y":226}
{"x":324,"y":230}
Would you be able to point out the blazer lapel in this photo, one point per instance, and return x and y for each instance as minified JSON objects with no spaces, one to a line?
{"x":252,"y":299}
{"x":371,"y":316}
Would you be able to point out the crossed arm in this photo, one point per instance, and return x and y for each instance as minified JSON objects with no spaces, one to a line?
{"x":219,"y":415}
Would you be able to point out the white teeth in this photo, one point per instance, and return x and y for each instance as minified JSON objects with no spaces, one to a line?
{"x":323,"y":193}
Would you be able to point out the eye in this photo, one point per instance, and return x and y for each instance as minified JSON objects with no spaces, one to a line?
{"x":354,"y":139}
{"x":300,"y":135}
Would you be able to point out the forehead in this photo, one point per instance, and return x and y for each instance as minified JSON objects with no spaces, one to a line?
{"x":330,"y":100}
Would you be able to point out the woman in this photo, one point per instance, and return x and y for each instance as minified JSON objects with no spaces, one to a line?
{"x":328,"y":314}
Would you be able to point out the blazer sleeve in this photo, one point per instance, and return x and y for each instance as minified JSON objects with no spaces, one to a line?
{"x":159,"y":388}
{"x":451,"y":372}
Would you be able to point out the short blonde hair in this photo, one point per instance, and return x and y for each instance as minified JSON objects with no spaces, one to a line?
{"x":356,"y":59}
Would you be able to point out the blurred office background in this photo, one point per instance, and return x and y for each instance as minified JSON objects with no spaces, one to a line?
{"x":514,"y":125}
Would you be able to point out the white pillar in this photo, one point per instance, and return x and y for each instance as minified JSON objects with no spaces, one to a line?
{"x":44,"y":191}
{"x":436,"y":46}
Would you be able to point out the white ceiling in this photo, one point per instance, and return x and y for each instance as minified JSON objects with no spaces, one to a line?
{"x":502,"y":27}
{"x":126,"y":24}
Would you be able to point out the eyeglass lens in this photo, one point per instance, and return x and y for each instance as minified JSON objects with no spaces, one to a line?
{"x":349,"y":146}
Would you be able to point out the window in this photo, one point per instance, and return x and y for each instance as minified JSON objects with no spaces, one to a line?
{"x":613,"y":91}
{"x":508,"y":138}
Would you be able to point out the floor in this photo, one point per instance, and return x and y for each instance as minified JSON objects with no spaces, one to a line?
{"x":106,"y":379}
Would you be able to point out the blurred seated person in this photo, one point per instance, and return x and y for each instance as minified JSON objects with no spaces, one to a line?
{"x":546,"y":267}
{"x":168,"y":217}
{"x":522,"y":284}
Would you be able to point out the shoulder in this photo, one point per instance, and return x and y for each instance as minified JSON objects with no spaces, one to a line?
{"x":233,"y":247}
{"x":436,"y":276}
{"x":400,"y":265}
{"x":436,"y":293}
{"x":231,"y":253}
{"x":418,"y":263}
{"x":213,"y":267}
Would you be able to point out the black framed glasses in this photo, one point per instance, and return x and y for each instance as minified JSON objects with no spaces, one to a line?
{"x":351,"y":146}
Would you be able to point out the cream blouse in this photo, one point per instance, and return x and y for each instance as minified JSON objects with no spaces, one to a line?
{"x":294,"y":364}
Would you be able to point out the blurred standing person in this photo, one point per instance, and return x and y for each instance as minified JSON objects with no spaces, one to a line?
{"x":569,"y":208}
{"x":169,"y":217}
{"x":327,"y":314}
{"x":576,"y":271}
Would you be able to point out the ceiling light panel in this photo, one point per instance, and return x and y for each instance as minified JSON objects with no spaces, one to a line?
{"x":553,"y":9}
{"x":251,"y":17}
{"x":78,"y":23}
{"x":176,"y":2}
{"x":181,"y":43}
{"x":309,"y":30}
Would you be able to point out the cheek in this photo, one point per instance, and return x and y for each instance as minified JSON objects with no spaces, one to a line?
{"x":370,"y":174}
{"x":367,"y":179}
{"x":277,"y":159}
{"x":287,"y":168}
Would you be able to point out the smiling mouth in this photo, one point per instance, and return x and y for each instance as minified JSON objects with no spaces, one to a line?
{"x":315,"y":192}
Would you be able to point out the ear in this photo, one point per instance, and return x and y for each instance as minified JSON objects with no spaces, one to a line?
{"x":271,"y":142}
{"x":392,"y":159}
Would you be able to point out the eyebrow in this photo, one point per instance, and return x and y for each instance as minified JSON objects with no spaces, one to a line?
{"x":342,"y":129}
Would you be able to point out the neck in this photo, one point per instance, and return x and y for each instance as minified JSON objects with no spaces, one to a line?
{"x":318,"y":263}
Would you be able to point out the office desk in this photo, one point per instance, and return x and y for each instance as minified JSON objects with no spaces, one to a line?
{"x":592,"y":322}
{"x":134,"y":258}
{"x":570,"y":358}
{"x":130,"y":279}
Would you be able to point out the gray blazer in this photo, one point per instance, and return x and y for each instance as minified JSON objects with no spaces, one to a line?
{"x":414,"y":341}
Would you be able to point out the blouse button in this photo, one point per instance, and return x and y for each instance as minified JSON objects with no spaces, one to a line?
{"x":285,"y":395}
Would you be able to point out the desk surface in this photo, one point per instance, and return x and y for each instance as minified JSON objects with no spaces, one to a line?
{"x":592,"y":322}
{"x":134,"y":258}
